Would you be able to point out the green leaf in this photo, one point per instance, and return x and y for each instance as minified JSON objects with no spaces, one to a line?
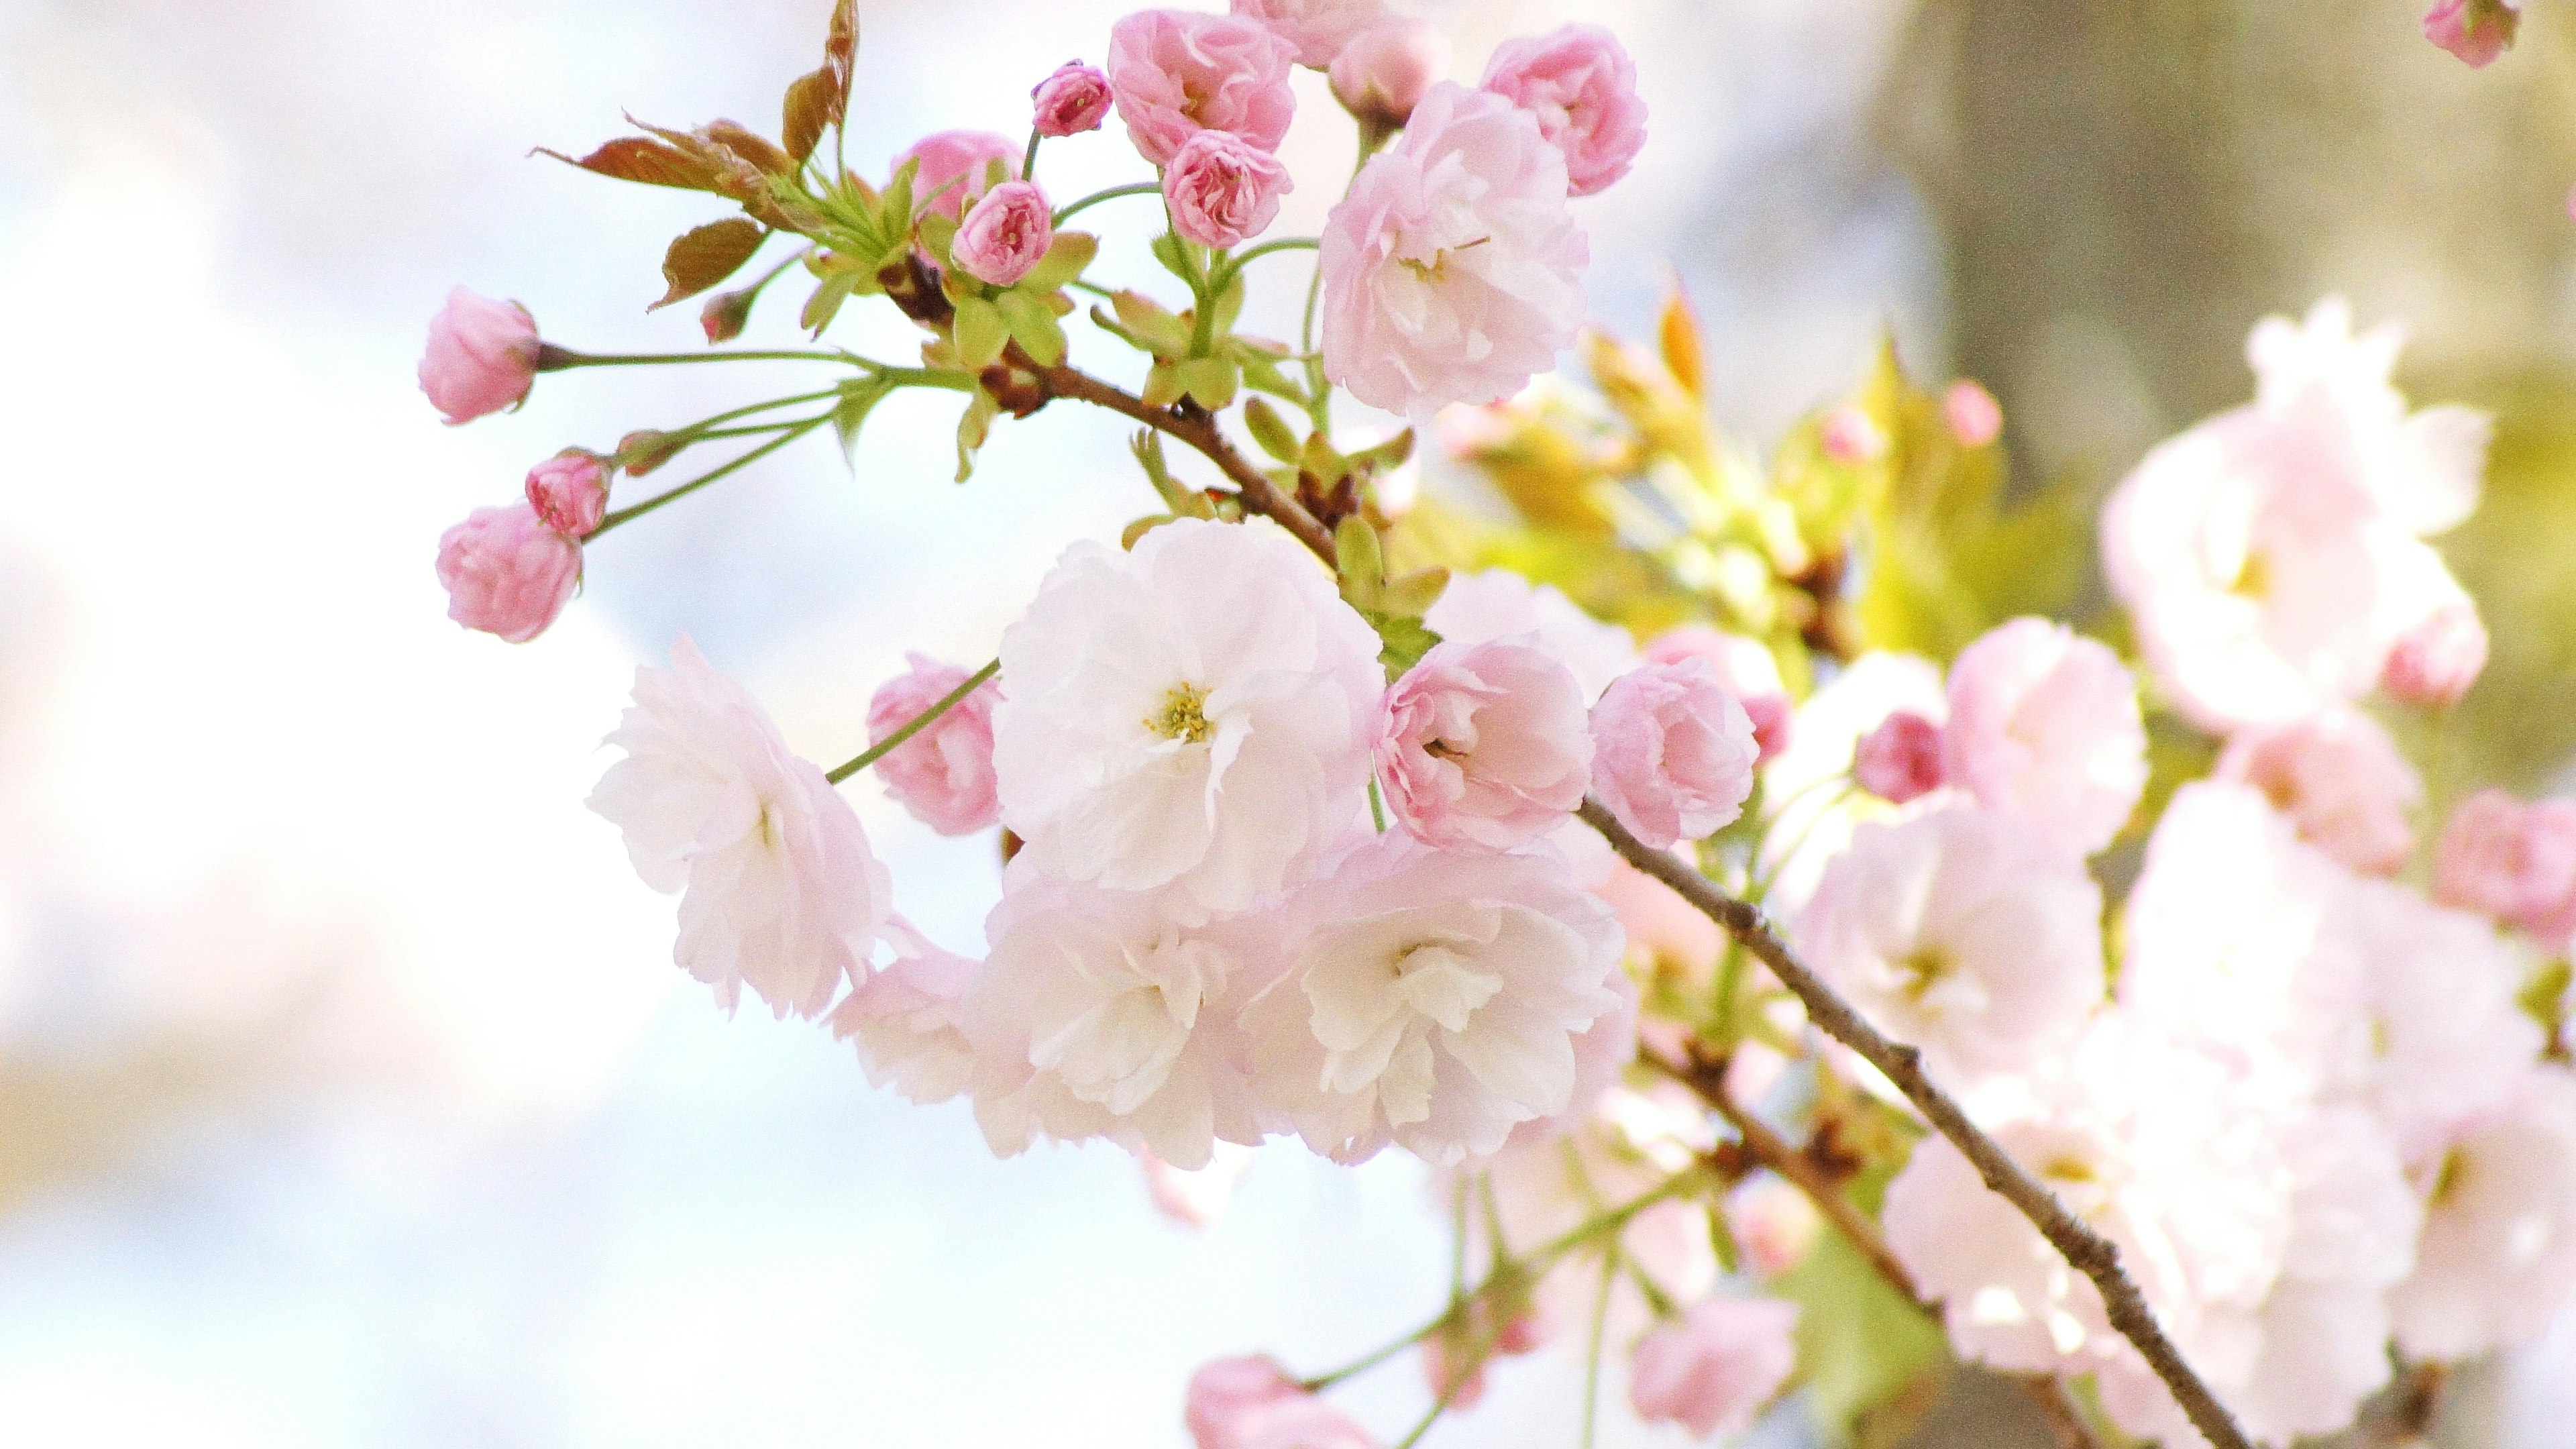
{"x":1209,"y":379}
{"x":1229,"y":306}
{"x":1261,"y":373}
{"x":1165,"y":334}
{"x":895,"y":207}
{"x":981,"y":333}
{"x":1270,"y":430}
{"x":1162,"y":385}
{"x":1860,"y":1342}
{"x":1175,"y":251}
{"x":825,"y":304}
{"x":1066,"y":256}
{"x":703,"y":256}
{"x":857,"y":400}
{"x":1033,"y":325}
{"x":937,"y":235}
{"x":1411,"y":596}
{"x":973,"y":429}
{"x":807,"y":110}
{"x":1403,"y":641}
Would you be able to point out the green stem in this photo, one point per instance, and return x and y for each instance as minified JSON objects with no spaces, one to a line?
{"x":551,"y":358}
{"x":1029,"y":160}
{"x":1377,"y":806}
{"x":1592,"y":1355}
{"x":917,"y":723}
{"x":700,"y":428}
{"x":1132,"y":188}
{"x":1225,"y":275}
{"x":627,"y":515}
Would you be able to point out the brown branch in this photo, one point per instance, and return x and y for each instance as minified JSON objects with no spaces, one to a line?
{"x":1197,"y":427}
{"x":1707,"y":1078}
{"x":2088,"y":1251}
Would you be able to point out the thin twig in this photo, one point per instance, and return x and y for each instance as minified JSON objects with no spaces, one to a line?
{"x":1197,"y":428}
{"x":2088,"y":1251}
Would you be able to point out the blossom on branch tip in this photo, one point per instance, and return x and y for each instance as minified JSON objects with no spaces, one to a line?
{"x":1074,"y":99}
{"x":1578,"y":81}
{"x":506,"y":572}
{"x":956,"y":167}
{"x":779,"y":890}
{"x":1007,"y":234}
{"x":1223,"y":190}
{"x":1452,"y":268}
{"x":1484,"y":745}
{"x":1176,"y":73}
{"x":944,"y":773}
{"x":1713,"y":1369}
{"x":1673,"y":753}
{"x":570,"y":491}
{"x":481,"y":358}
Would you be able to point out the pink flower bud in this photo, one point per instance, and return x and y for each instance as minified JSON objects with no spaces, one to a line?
{"x":944,"y":773}
{"x":1223,"y":189}
{"x":1851,"y":438}
{"x":1381,"y":74}
{"x":1975,"y":418}
{"x":964,"y":157}
{"x":2514,"y":862}
{"x":1073,"y":100}
{"x":1773,"y":718}
{"x":1006,"y":235}
{"x":726,"y":314}
{"x":1251,"y":1403}
{"x":1774,"y":1223}
{"x":1715,"y":1367}
{"x":506,"y":573}
{"x":1673,"y":752}
{"x":481,"y":358}
{"x":2477,"y":31}
{"x":570,"y":491}
{"x":1582,"y":88}
{"x":2435,"y":662}
{"x":1901,"y":759}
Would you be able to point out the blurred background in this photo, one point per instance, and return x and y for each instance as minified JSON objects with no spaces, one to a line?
{"x":348,"y":1096}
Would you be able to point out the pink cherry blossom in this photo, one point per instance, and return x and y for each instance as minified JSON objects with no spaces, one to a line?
{"x":1178,"y":72}
{"x":1222,"y":189}
{"x":1963,"y":932}
{"x":2514,"y":862}
{"x":1748,"y":671}
{"x":1381,"y":74}
{"x":1319,"y":29}
{"x":1484,"y":745}
{"x":2435,"y":662}
{"x":1071,"y":101}
{"x":1773,"y":1222}
{"x":570,"y":491}
{"x":1851,"y":437}
{"x":1252,"y":1403}
{"x":1433,"y":997}
{"x":2477,"y":31}
{"x":2498,"y":1255}
{"x":1491,"y":604}
{"x":1975,"y":418}
{"x":2339,"y":778}
{"x":779,"y":889}
{"x":1145,"y":738}
{"x":1007,"y":234}
{"x":1674,"y":752}
{"x":2044,"y":726}
{"x":1578,"y":81}
{"x":1714,"y":1369}
{"x":903,"y":1020}
{"x":1452,"y":268}
{"x":965,"y":158}
{"x":1900,"y":761}
{"x":944,"y":774}
{"x":506,"y":572}
{"x":481,"y":358}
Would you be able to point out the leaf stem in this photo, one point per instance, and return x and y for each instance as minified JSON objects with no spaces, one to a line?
{"x":916,"y":724}
{"x":628,"y":515}
{"x":1132,"y":188}
{"x":1592,"y":1354}
{"x":551,"y":358}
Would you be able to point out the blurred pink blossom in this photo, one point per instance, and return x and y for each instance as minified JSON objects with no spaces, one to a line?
{"x":2477,"y":31}
{"x":1006,"y":235}
{"x":1074,"y":99}
{"x":1319,"y":29}
{"x":1714,"y":1369}
{"x":1195,"y":1197}
{"x":2435,"y":662}
{"x":1773,"y":1222}
{"x":1850,"y":437}
{"x":2512,"y":861}
{"x":1452,"y":268}
{"x":1674,"y":752}
{"x":963,"y":157}
{"x":481,"y":358}
{"x":1381,"y":74}
{"x":1579,"y":82}
{"x":1252,"y":1403}
{"x":2044,"y":726}
{"x":2339,"y":778}
{"x":2498,"y":1256}
{"x":1975,"y":418}
{"x":943,"y":774}
{"x":506,"y":572}
{"x":1900,"y":761}
{"x":1179,"y":72}
{"x":1484,"y":745}
{"x":1223,"y":190}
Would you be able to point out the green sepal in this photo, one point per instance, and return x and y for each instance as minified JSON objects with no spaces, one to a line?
{"x":981,"y":333}
{"x":1163,"y":333}
{"x":850,"y":413}
{"x":1270,"y":430}
{"x":973,"y":429}
{"x":1033,"y":325}
{"x":825,"y":304}
{"x":1066,"y":256}
{"x":1211,"y":380}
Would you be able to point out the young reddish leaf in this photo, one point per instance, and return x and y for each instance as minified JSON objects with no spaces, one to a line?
{"x":706,"y":255}
{"x":632,"y":158}
{"x":751,"y":146}
{"x":841,"y":53}
{"x":808,"y":109}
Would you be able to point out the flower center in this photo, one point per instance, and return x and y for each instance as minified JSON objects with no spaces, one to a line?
{"x":2254,"y":580}
{"x":1437,"y":268}
{"x":1919,"y":973}
{"x":1183,"y":716}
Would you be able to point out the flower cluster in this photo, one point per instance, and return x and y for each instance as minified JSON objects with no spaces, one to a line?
{"x":1336,"y":813}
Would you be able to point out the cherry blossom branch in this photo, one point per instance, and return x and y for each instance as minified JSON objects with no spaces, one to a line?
{"x":1707,"y":1078}
{"x":1197,"y":427}
{"x":2088,"y":1251}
